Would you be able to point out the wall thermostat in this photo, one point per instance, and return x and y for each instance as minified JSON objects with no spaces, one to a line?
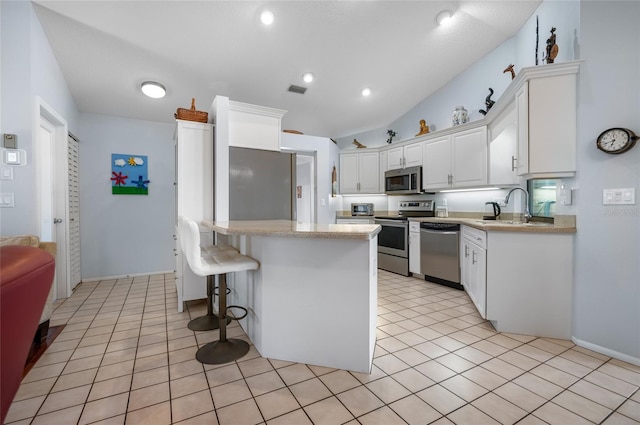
{"x":10,"y":141}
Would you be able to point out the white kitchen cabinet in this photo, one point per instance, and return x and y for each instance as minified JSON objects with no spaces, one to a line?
{"x":359,"y":173}
{"x":383,"y":158}
{"x":194,"y":198}
{"x":254,"y":127}
{"x":530,"y":283}
{"x":414,"y":247}
{"x":473,"y":266}
{"x":503,"y":148}
{"x":546,"y":115}
{"x":404,"y":156}
{"x":456,"y":160}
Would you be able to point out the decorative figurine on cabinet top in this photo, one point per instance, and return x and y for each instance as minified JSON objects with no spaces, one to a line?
{"x":358,"y":144}
{"x":552,"y":47}
{"x":424,"y":128}
{"x":391,"y":135}
{"x":487,"y":102}
{"x":510,"y":69}
{"x":460,"y":116}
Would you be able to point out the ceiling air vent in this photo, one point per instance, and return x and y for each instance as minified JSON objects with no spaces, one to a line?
{"x":297,"y":89}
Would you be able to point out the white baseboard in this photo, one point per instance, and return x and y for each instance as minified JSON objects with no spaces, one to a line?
{"x":606,"y":351}
{"x":124,"y":276}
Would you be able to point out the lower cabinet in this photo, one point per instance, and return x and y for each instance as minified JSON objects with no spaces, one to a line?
{"x":414,"y":247}
{"x":473,"y":266}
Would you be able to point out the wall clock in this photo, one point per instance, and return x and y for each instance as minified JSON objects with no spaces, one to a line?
{"x":616,"y":140}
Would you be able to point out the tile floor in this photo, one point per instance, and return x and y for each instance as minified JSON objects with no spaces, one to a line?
{"x":127,"y":357}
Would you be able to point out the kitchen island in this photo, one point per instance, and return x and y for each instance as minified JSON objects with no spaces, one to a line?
{"x":314,"y":298}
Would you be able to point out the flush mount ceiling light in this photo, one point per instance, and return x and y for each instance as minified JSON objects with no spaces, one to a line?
{"x":444,"y":18}
{"x":366,"y":92}
{"x":267,"y":17}
{"x":307,"y":77}
{"x":153,"y":89}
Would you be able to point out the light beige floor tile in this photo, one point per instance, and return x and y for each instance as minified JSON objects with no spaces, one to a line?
{"x":435,"y":371}
{"x":609,"y":382}
{"x":76,"y":379}
{"x":63,"y":399}
{"x":504,"y":341}
{"x":582,"y":406}
{"x":448,"y":343}
{"x":191,"y":405}
{"x":295,"y":373}
{"x":147,"y":396}
{"x":554,"y":414}
{"x":554,"y":375}
{"x":464,"y":388}
{"x":328,"y":412}
{"x":34,"y":389}
{"x":534,"y":353}
{"x":631,"y":409}
{"x":624,"y":374}
{"x":49,"y":358}
{"x":152,"y":350}
{"x":151,"y":362}
{"x":69,"y":415}
{"x":339,"y":381}
{"x":119,"y":356}
{"x":413,"y":380}
{"x":474,"y":355}
{"x":230,"y":393}
{"x":598,"y":394}
{"x":538,"y":385}
{"x":392,"y":344}
{"x":104,"y":408}
{"x":114,"y":370}
{"x":209,"y":418}
{"x":484,"y":378}
{"x":577,"y":356}
{"x":277,"y":403}
{"x":387,"y":389}
{"x":520,"y":396}
{"x":149,"y":377}
{"x":92,"y":350}
{"x":223,"y":375}
{"x":188,"y":384}
{"x":441,"y":399}
{"x":263,"y":383}
{"x":414,"y":410}
{"x":245,"y":412}
{"x":297,"y":417}
{"x":23,"y":409}
{"x":455,"y":362}
{"x":469,"y":414}
{"x":110,"y":387}
{"x":411,"y":356}
{"x":186,"y":368}
{"x":499,"y":409}
{"x":255,"y":367}
{"x":550,"y":346}
{"x":618,"y":419}
{"x":44,"y":372}
{"x":97,"y":339}
{"x":519,"y":360}
{"x":157,"y":414}
{"x":310,"y":391}
{"x":384,"y":415}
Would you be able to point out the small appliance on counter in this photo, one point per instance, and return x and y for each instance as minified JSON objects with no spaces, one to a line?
{"x":361,"y":209}
{"x":494,"y":212}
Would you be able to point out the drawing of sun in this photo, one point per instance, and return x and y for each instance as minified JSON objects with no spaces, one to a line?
{"x":132,"y":161}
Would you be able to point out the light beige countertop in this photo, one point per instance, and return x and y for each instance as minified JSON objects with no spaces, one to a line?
{"x":293,"y":229}
{"x":562,"y":224}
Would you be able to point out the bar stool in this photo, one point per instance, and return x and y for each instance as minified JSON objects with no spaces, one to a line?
{"x":209,"y":262}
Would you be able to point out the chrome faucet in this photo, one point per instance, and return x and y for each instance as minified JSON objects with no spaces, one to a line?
{"x":527,"y":216}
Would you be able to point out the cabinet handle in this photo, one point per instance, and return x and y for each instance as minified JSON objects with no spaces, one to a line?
{"x":473,"y":257}
{"x":466,"y":251}
{"x":513,"y":162}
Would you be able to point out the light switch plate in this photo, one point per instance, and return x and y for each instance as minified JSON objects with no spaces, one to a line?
{"x":623,"y":196}
{"x":6,"y":200}
{"x":14,"y":157}
{"x":6,"y":173}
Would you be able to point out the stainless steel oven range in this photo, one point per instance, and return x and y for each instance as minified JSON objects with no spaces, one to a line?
{"x":393,"y":239}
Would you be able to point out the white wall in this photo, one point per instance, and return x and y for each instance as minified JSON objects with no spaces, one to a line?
{"x":607,"y":270}
{"x":326,"y":156}
{"x":125,"y":234}
{"x":29,"y":69}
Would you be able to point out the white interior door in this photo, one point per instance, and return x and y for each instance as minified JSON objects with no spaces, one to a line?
{"x":305,"y":188}
{"x":53,"y":190}
{"x":74,"y":212}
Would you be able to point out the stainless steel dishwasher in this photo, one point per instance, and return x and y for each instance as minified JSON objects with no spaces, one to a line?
{"x":440,"y":253}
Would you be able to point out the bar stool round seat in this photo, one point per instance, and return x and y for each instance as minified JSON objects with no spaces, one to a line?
{"x":211,"y":261}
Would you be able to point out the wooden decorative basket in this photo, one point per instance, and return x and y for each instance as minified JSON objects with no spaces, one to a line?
{"x":191,"y":114}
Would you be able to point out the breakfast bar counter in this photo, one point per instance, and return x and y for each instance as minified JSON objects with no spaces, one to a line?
{"x":314,"y":298}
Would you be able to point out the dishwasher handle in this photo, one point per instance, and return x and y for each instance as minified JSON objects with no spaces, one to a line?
{"x":439,"y":232}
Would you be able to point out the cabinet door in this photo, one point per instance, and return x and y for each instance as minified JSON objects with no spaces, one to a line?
{"x":436,"y":163}
{"x":414,"y":248}
{"x":348,"y":173}
{"x":413,"y":155}
{"x":470,"y":157}
{"x":465,"y":261}
{"x":395,"y":158}
{"x":522,"y":115}
{"x":503,"y":149}
{"x":383,"y":168}
{"x":369,"y":172}
{"x":478,"y":279}
{"x":194,"y":172}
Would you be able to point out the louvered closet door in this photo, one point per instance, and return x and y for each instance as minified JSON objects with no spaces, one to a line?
{"x":74,"y":214}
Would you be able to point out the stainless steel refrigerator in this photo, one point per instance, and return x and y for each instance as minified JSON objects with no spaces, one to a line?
{"x":262,"y":185}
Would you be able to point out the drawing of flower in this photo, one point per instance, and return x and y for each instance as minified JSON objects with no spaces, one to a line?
{"x":119,"y":178}
{"x":141,"y":183}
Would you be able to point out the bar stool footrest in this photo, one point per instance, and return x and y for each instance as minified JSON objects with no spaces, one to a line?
{"x":234,"y":316}
{"x":219,"y":352}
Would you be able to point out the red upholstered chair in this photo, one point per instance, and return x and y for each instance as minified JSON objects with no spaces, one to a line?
{"x":26,"y":275}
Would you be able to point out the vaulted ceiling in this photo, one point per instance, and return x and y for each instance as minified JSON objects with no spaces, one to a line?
{"x":201,"y":49}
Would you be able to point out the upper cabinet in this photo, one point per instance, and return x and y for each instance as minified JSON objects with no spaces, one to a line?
{"x":359,"y":173}
{"x":404,"y":156}
{"x":503,"y":149}
{"x":255,"y":127}
{"x":456,"y":160}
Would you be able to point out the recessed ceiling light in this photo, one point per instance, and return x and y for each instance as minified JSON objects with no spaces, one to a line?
{"x":444,"y":18}
{"x":307,"y":77}
{"x":153,"y":89}
{"x":366,"y":91}
{"x":267,"y":17}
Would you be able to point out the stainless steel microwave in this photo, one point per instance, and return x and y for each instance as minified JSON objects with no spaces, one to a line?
{"x":403,"y":181}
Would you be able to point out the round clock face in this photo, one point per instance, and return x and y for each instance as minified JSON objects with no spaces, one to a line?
{"x":616,"y":140}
